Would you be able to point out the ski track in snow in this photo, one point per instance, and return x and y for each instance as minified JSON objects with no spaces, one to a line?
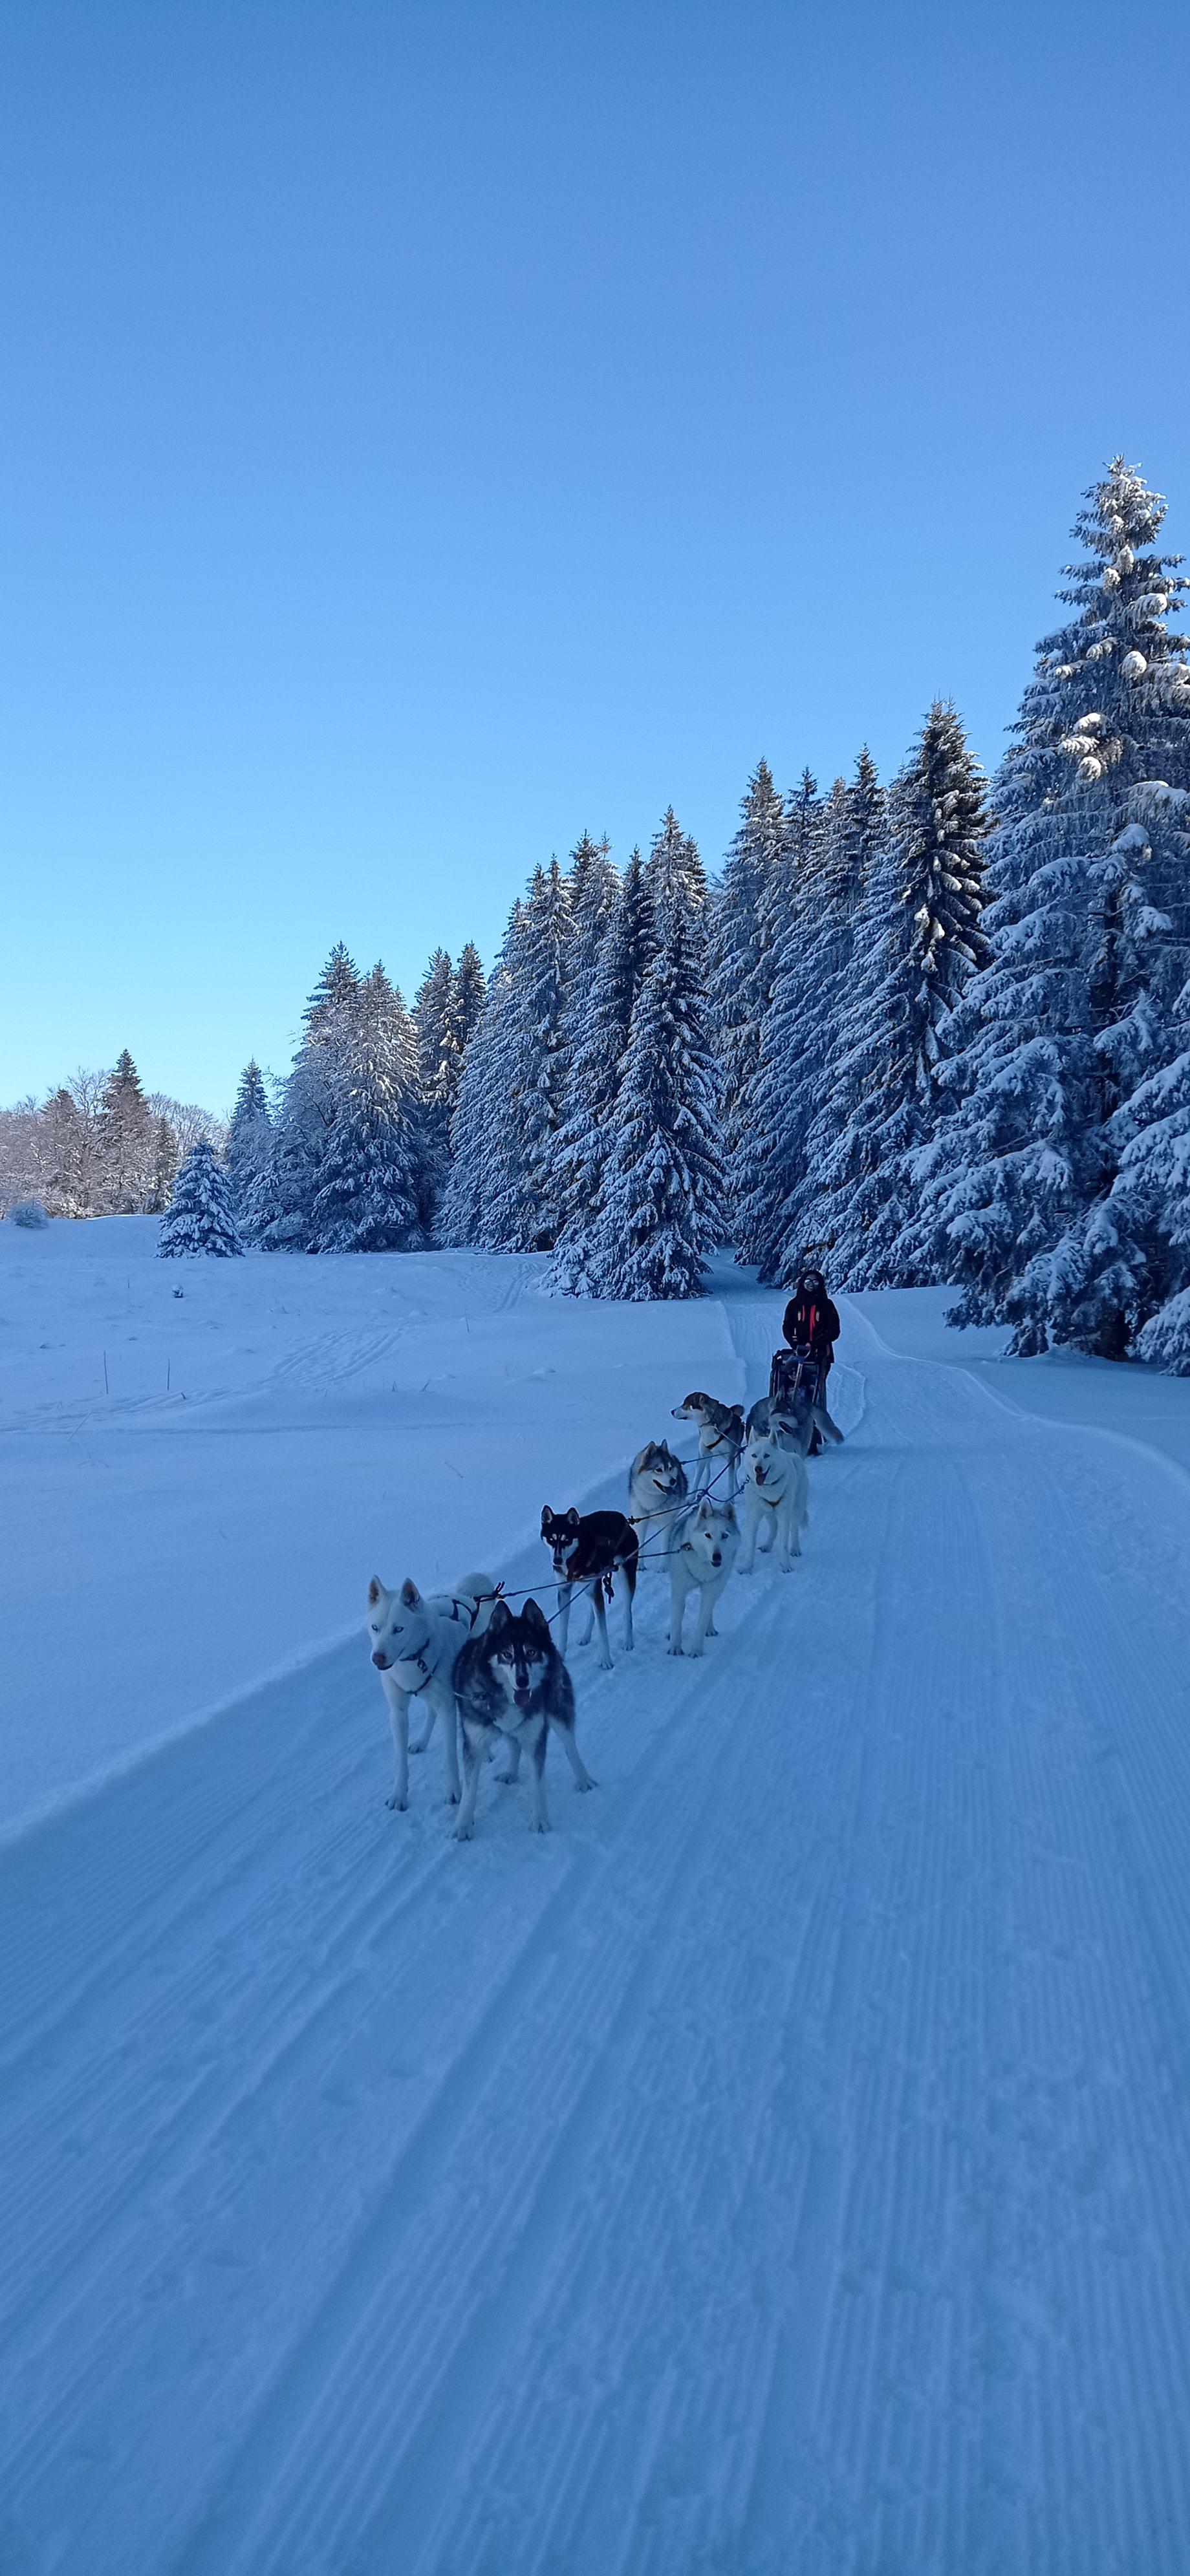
{"x":783,"y":2164}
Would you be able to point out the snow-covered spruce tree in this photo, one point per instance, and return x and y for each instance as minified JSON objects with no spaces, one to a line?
{"x":775,"y":1106}
{"x":523,"y":1195}
{"x":663,"y":1182}
{"x":743,"y":928}
{"x":1154,"y":1182}
{"x":437,"y":1083}
{"x":249,"y":1139}
{"x":600,"y":1036}
{"x":934,"y":941}
{"x":200,"y":1216}
{"x":483,"y":1146}
{"x":127,"y":1139}
{"x":367,"y":1195}
{"x":1089,"y":939}
{"x":279,"y":1211}
{"x":465,"y":1006}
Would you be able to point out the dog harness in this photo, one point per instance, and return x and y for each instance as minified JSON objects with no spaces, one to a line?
{"x":472,"y":1610}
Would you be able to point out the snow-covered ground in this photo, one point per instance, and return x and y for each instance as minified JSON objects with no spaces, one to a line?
{"x":783,"y":2165}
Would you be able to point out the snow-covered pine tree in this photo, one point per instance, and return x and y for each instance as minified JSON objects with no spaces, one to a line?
{"x":249,"y":1139}
{"x":200,"y":1216}
{"x":437,"y":1083}
{"x":1154,"y":1181}
{"x":482,"y":1142}
{"x":744,"y":921}
{"x":279,"y":1212}
{"x":127,"y":1139}
{"x":522,"y":1192}
{"x":367,"y":1195}
{"x":598,"y":1043}
{"x":466,"y":1005}
{"x":864,"y":1194}
{"x":663,"y":1182}
{"x":777,"y":1102}
{"x":1089,"y":937}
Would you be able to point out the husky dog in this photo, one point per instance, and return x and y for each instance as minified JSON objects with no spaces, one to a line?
{"x":776,"y":1497}
{"x":702,"y":1552}
{"x":720,"y":1437}
{"x":415,"y":1641}
{"x":796,"y":1420}
{"x":656,"y":1486}
{"x":512,"y":1681}
{"x":587,"y":1548}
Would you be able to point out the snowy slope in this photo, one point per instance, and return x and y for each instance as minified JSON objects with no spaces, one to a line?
{"x":784,"y":2165}
{"x":263,"y":1444}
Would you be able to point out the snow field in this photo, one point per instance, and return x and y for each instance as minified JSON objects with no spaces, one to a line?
{"x":782,"y":2164}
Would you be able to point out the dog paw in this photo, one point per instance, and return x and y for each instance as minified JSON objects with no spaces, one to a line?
{"x":675,"y":1650}
{"x":581,"y":1787}
{"x":397,"y":1804}
{"x":463,"y":1832}
{"x":694,"y":1652}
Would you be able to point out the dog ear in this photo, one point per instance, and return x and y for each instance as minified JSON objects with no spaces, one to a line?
{"x":534,"y":1619}
{"x":375,"y":1588}
{"x":501,"y":1619}
{"x":546,"y":1518}
{"x":573,"y":1517}
{"x":410,"y":1595}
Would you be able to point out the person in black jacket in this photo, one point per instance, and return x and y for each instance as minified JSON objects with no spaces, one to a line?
{"x":811,"y":1317}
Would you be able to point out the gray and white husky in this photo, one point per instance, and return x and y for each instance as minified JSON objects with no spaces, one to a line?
{"x":796,"y":1420}
{"x":702,"y":1552}
{"x":415,"y":1642}
{"x":657,"y":1485}
{"x":511,"y":1681}
{"x":776,"y":1498}
{"x":720,"y":1437}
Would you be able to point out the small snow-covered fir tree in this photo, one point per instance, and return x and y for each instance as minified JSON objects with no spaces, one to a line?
{"x":249,"y":1139}
{"x":599,"y":1039}
{"x":663,"y":1186}
{"x":200,"y":1216}
{"x":367,"y":1195}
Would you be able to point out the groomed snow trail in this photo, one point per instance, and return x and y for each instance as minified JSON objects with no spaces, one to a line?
{"x":784,"y":2165}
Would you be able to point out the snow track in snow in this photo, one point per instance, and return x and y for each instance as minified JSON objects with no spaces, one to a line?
{"x":783,"y":2164}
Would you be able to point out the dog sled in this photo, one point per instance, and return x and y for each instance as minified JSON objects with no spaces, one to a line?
{"x":795,"y":1378}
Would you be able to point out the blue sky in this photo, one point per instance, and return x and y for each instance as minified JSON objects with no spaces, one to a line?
{"x":426,"y":432}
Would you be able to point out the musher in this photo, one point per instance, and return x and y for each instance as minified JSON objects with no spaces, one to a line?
{"x":812,"y":1322}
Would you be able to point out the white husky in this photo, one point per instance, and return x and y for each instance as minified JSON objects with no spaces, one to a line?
{"x":702,"y":1552}
{"x":776,"y":1498}
{"x":416,"y":1640}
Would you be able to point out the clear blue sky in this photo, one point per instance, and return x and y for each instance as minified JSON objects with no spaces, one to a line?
{"x":429,"y":430}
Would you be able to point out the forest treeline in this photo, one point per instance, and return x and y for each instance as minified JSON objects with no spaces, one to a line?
{"x":930,"y":1030}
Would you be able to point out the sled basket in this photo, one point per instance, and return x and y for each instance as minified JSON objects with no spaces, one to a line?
{"x":794,"y":1374}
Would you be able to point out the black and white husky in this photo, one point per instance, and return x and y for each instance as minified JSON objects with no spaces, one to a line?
{"x":587,"y":1549}
{"x":702,"y":1552}
{"x":720,"y":1437}
{"x":415,"y":1641}
{"x":511,"y":1681}
{"x":657,"y":1486}
{"x":776,"y":1498}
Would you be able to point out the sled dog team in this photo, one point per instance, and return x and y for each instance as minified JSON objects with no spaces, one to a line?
{"x":505,"y":1674}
